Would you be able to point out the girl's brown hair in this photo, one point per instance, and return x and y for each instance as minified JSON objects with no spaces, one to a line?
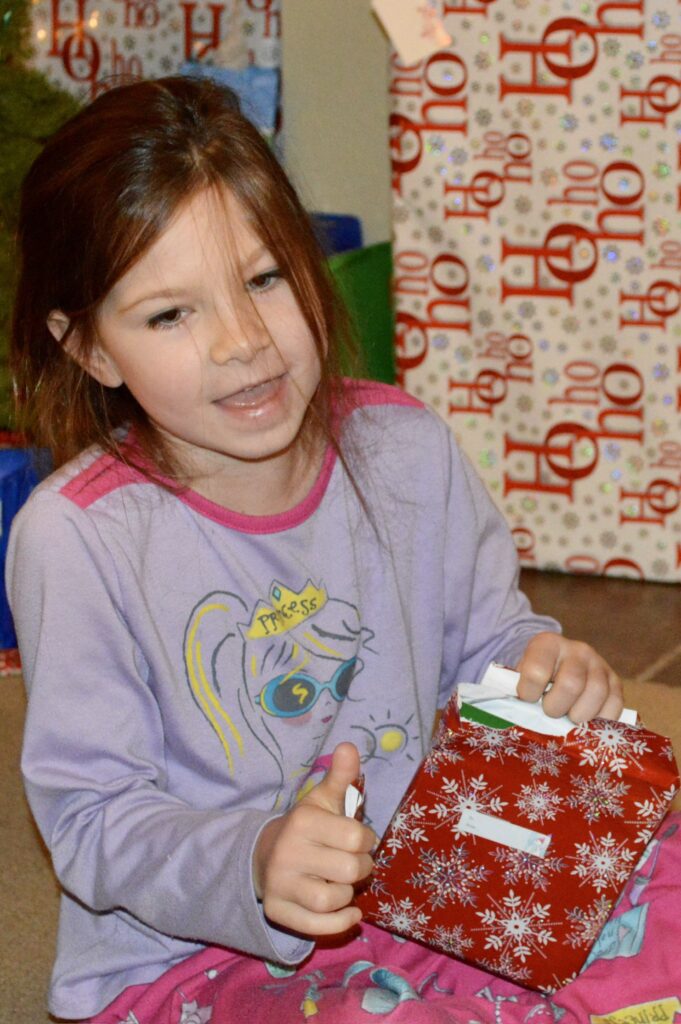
{"x":101,"y":192}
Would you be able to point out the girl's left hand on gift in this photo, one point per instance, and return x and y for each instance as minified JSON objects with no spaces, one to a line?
{"x":573,"y":677}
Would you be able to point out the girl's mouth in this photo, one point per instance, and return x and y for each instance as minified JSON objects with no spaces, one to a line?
{"x":255,"y":396}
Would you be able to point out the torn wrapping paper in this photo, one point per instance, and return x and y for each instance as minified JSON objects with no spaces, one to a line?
{"x":513,"y":843}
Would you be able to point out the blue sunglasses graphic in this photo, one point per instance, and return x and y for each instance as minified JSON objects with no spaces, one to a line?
{"x":290,"y":696}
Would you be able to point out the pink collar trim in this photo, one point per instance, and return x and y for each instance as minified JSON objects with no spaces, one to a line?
{"x":266,"y":524}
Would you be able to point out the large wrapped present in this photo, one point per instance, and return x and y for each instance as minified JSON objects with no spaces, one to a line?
{"x":518,"y":834}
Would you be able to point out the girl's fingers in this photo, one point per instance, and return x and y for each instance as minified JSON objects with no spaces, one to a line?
{"x":316,"y":908}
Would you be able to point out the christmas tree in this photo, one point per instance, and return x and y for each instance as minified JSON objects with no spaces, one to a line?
{"x":31,"y":109}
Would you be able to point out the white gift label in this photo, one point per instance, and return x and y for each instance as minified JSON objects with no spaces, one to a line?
{"x":414,"y":26}
{"x":486,"y":826}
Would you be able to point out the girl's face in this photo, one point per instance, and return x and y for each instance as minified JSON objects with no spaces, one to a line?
{"x":208,"y":337}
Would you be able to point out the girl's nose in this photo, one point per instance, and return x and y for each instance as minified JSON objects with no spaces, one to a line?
{"x":241,"y":339}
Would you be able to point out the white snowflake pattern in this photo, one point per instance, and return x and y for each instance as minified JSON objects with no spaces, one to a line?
{"x":610,"y":745}
{"x":403,"y":916}
{"x":493,"y":744}
{"x":545,"y":758}
{"x":459,"y":795}
{"x":407,"y":827}
{"x":516,"y":928}
{"x":449,"y":877}
{"x":441,"y":756}
{"x":452,"y":940}
{"x":649,"y":813}
{"x":602,"y":861}
{"x":538,"y":802}
{"x":586,"y":924}
{"x":518,"y":866}
{"x":507,"y":966}
{"x":598,"y":794}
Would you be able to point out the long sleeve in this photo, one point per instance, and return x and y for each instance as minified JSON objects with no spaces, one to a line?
{"x":94,"y":756}
{"x":487,"y":617}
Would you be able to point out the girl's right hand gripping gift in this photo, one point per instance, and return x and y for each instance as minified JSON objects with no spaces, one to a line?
{"x":518,"y":834}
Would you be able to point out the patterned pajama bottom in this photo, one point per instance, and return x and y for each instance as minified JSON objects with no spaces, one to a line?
{"x":633,"y":975}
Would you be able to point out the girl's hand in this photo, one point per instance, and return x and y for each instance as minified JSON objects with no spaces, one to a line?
{"x":583,"y":684}
{"x":306,"y":862}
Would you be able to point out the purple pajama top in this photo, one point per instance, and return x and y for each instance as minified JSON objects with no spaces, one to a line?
{"x":191,"y":669}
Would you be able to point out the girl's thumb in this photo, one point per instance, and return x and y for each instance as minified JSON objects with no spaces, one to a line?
{"x":345,"y":768}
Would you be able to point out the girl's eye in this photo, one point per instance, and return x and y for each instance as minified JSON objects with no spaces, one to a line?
{"x":168,"y":318}
{"x":263,"y":282}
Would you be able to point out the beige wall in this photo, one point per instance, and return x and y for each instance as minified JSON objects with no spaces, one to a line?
{"x":335,"y":106}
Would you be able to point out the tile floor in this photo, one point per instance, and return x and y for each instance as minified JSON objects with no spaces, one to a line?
{"x":635,"y":626}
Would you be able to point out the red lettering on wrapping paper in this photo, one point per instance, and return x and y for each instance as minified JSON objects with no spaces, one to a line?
{"x":560,"y":260}
{"x":671,"y":257}
{"x":448,"y":297}
{"x":669,"y":455}
{"x":678,"y":555}
{"x":556,"y":455}
{"x":515,"y":149}
{"x":466,"y":7}
{"x":663,"y":299}
{"x":479,"y":395}
{"x":435,"y":114}
{"x":587,"y":565}
{"x":406,"y":79}
{"x":568,"y":71}
{"x":125,"y":67}
{"x":652,"y":506}
{"x":671,"y":49}
{"x":586,"y":193}
{"x":198,"y":43}
{"x":271,"y":28}
{"x":79,"y":51}
{"x":524,"y":541}
{"x":486,"y":191}
{"x":410,"y":272}
{"x":652,"y":104}
{"x":490,"y":386}
{"x":589,"y":382}
{"x":615,"y":382}
{"x":140,"y":13}
{"x":515,"y":352}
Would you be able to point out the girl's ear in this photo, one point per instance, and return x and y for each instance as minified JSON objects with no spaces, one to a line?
{"x":96,"y":362}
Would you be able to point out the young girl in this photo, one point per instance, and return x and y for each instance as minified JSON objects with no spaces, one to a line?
{"x":247,"y":582}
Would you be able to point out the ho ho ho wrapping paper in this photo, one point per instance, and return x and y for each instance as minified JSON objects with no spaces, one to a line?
{"x":518,"y":834}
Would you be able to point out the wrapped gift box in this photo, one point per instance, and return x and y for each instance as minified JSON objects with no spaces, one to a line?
{"x":512,"y":845}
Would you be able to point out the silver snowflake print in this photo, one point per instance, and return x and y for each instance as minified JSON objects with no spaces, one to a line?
{"x":407,"y":827}
{"x":545,"y":758}
{"x":602,"y":862}
{"x":449,"y":877}
{"x":586,"y":924}
{"x":441,"y":756}
{"x":650,"y":812}
{"x":457,"y":796}
{"x":507,"y":966}
{"x":597,"y":795}
{"x":610,"y":745}
{"x":493,"y":744}
{"x":517,"y":927}
{"x":538,"y":802}
{"x":451,"y":940}
{"x":518,"y":866}
{"x":404,"y":917}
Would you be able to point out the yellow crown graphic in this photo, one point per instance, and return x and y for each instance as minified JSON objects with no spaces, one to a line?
{"x":287,"y":609}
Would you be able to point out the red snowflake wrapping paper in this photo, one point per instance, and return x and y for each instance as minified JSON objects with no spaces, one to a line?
{"x":589,"y":801}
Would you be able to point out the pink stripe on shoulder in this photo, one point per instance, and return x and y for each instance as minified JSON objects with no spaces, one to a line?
{"x":104,"y":475}
{"x":373,"y":392}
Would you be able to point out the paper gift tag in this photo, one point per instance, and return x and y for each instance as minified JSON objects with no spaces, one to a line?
{"x":414,"y":26}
